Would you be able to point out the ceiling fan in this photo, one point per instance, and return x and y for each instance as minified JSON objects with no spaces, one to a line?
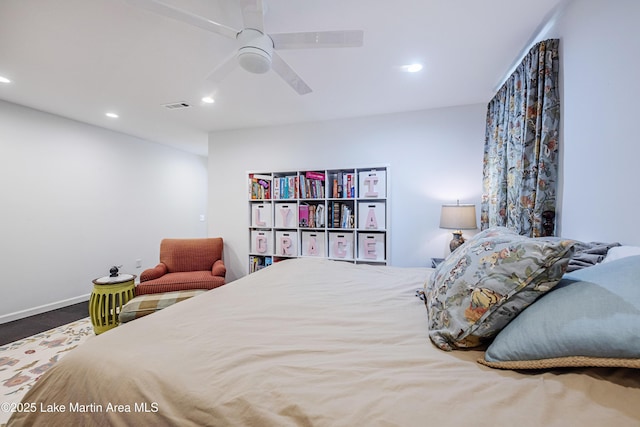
{"x":256,"y":52}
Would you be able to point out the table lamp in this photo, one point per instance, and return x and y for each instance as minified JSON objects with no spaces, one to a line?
{"x":458,"y":217}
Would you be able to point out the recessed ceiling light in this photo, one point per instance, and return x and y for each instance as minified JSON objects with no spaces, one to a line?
{"x":112,"y":115}
{"x":208,"y":100}
{"x":413,"y":68}
{"x":4,"y":80}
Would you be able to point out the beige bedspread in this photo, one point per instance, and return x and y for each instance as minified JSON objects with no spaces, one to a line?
{"x":311,"y":343}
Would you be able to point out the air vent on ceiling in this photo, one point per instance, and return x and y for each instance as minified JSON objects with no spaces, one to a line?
{"x":176,"y":105}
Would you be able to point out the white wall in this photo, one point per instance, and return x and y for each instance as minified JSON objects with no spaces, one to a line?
{"x":600,"y":65}
{"x":77,"y":199}
{"x":435,"y":157}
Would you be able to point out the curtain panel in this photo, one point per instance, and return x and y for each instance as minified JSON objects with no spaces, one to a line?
{"x":520,"y":165}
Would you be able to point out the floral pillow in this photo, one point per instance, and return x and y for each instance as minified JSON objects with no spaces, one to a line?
{"x":487,"y":282}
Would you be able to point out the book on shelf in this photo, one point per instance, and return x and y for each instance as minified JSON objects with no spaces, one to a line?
{"x":303,"y":187}
{"x":350,"y":189}
{"x":312,"y":216}
{"x":319,"y":216}
{"x":347,"y":219}
{"x":308,"y":215}
{"x":260,"y":187}
{"x":319,"y":176}
{"x":293,"y":187}
{"x":303,"y":215}
{"x":257,"y":262}
{"x":310,"y":192}
{"x":284,"y":194}
{"x":312,"y":185}
{"x":341,"y":215}
{"x":343,"y":185}
{"x":285,"y":187}
{"x":318,"y":187}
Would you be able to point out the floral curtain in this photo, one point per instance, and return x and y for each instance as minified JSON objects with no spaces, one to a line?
{"x":520,"y":166}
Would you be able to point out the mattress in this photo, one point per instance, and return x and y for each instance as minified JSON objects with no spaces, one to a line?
{"x":311,"y":342}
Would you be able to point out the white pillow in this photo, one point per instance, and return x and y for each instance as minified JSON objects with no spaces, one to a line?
{"x":618,"y":252}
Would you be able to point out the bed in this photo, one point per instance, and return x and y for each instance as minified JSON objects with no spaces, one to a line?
{"x":311,"y":342}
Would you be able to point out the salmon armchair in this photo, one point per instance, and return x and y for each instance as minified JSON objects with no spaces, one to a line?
{"x":185,"y":264}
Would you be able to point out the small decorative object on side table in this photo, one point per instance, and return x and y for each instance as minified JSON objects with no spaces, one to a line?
{"x":109,"y":294}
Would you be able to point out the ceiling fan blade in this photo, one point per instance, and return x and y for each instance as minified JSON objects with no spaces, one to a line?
{"x":317,"y":39}
{"x":224,"y":69}
{"x":288,"y":75}
{"x":253,"y":14}
{"x":172,"y":12}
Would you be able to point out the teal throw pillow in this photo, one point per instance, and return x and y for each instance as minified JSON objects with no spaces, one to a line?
{"x":592,"y":318}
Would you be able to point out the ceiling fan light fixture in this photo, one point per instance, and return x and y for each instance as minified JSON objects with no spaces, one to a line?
{"x":254,"y":60}
{"x":256,"y":49}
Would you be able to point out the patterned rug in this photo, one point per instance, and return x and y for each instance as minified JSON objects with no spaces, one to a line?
{"x":22,"y":362}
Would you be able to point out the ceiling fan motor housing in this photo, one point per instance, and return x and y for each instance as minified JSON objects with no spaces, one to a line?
{"x":255,"y":51}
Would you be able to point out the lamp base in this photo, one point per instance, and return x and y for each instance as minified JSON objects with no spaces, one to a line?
{"x":457,"y":241}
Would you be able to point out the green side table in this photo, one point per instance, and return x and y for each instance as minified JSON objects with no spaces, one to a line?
{"x":108,"y":296}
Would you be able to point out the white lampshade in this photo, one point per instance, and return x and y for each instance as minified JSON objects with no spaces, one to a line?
{"x":458,"y":217}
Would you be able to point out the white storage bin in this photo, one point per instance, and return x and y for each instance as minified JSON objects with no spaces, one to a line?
{"x":286,"y":243}
{"x":372,"y":184}
{"x":261,"y":215}
{"x":371,"y":246}
{"x":286,"y":215}
{"x":313,"y":244}
{"x":262,"y":242}
{"x":341,"y":245}
{"x":372,"y":216}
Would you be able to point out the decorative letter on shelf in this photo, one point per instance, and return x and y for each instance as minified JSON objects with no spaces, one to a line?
{"x":261,"y":244}
{"x":285,"y":245}
{"x":371,"y":182}
{"x":340,"y":247}
{"x":259,"y":222}
{"x":370,"y":249}
{"x":285,"y":216}
{"x":313,"y":246}
{"x":371,"y":221}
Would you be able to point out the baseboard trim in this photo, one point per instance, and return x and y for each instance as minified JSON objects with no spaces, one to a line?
{"x":5,"y":318}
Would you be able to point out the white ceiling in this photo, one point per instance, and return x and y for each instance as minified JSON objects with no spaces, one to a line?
{"x":82,"y":58}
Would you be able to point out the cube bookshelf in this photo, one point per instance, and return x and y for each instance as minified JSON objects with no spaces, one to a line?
{"x":339,"y":214}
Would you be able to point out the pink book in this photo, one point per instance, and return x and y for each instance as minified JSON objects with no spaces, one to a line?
{"x":303,"y":215}
{"x":315,"y":175}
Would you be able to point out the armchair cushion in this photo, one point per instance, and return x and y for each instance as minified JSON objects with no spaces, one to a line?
{"x":190,"y":254}
{"x":180,"y":281}
{"x":185,"y":264}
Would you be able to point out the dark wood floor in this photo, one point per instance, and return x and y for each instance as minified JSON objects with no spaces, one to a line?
{"x":19,"y":329}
